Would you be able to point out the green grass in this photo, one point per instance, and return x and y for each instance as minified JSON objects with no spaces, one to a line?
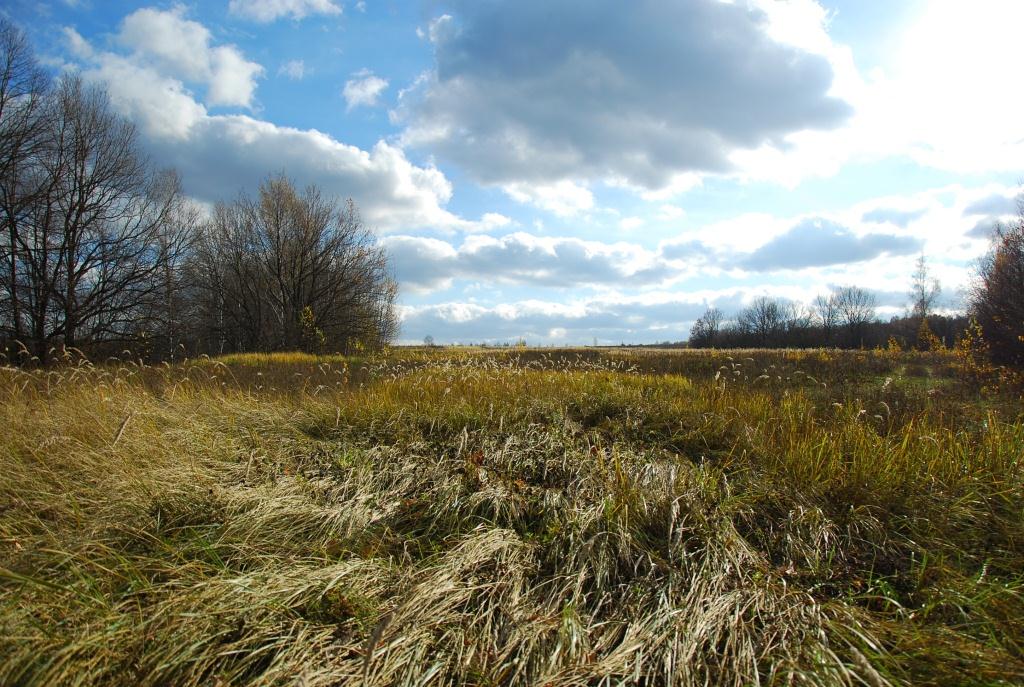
{"x":573,"y":517}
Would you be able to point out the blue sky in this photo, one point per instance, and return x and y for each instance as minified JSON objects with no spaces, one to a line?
{"x":565,"y":171}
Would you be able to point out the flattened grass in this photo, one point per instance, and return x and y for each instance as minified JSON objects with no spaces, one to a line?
{"x":566,"y":518}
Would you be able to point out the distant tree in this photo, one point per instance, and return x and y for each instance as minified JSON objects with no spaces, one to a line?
{"x":705,"y":330}
{"x":924,"y":290}
{"x":856,"y":309}
{"x":764,"y":320}
{"x":926,"y":339}
{"x":428,"y":341}
{"x":997,"y":297}
{"x":827,"y":312}
{"x":799,"y":321}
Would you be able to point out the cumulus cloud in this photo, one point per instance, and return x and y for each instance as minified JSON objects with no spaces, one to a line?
{"x":220,"y":154}
{"x":984,"y":228}
{"x":563,"y":198}
{"x":610,"y":319}
{"x":521,"y":258}
{"x":266,"y":11}
{"x":995,"y":204}
{"x":925,"y":102}
{"x":182,"y":48}
{"x":689,"y":250}
{"x":364,"y":90}
{"x":995,"y":207}
{"x":819,"y":243}
{"x":535,"y":92}
{"x":901,"y":218}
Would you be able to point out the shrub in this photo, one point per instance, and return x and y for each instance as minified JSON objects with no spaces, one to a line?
{"x":998,"y":297}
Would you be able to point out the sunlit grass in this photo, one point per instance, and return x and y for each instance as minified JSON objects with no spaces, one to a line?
{"x":435,"y":516}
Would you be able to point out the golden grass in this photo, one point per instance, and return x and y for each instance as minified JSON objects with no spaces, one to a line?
{"x":439,"y":516}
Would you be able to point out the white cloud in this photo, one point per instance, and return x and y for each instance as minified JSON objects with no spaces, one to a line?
{"x":293,"y":69}
{"x":270,"y":10}
{"x":873,"y":244}
{"x":631,"y":223}
{"x":364,"y":90}
{"x":220,"y":154}
{"x":645,"y":95}
{"x":611,"y":318}
{"x":816,"y":242}
{"x":522,"y":258}
{"x":563,"y":198}
{"x":959,"y":108}
{"x":945,"y":99}
{"x":437,"y":29}
{"x":161,"y":106}
{"x":76,"y":44}
{"x":181,"y":48}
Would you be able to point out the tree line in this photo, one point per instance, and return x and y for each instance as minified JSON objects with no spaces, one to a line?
{"x":101,"y":251}
{"x":847,"y":317}
{"x":844,"y":318}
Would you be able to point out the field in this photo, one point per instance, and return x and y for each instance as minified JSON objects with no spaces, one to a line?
{"x":512,"y":517}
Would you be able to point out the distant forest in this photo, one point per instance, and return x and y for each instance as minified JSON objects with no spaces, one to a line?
{"x":845,"y":318}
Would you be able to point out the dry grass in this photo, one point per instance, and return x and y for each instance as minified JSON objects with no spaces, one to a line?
{"x":511,"y":517}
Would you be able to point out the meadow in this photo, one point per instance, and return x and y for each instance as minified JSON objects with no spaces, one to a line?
{"x":512,"y":517}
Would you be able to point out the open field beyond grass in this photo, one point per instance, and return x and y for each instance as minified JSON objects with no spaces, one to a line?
{"x":574,"y":517}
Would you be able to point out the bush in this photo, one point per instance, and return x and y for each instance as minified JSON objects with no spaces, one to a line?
{"x":998,"y":297}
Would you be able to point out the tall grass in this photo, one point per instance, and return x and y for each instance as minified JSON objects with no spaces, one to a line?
{"x":523,"y":517}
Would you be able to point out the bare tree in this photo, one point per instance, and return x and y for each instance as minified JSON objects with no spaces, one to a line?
{"x":98,"y":248}
{"x":705,"y":330}
{"x":827,"y":312}
{"x":924,"y":290}
{"x":277,"y":268}
{"x":856,"y":308}
{"x":765,"y":320}
{"x":799,"y":320}
{"x":84,"y":214}
{"x":23,"y":90}
{"x":171,"y":309}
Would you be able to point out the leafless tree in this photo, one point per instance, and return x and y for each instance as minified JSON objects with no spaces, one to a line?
{"x":856,"y":309}
{"x":799,"y":319}
{"x":705,"y":330}
{"x":765,"y":319}
{"x":169,"y":315}
{"x":84,"y":215}
{"x":275,"y":269}
{"x":23,"y":90}
{"x":99,"y":249}
{"x":827,"y":312}
{"x":924,"y":290}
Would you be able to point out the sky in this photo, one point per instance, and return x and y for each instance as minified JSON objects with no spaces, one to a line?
{"x":578,"y":171}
